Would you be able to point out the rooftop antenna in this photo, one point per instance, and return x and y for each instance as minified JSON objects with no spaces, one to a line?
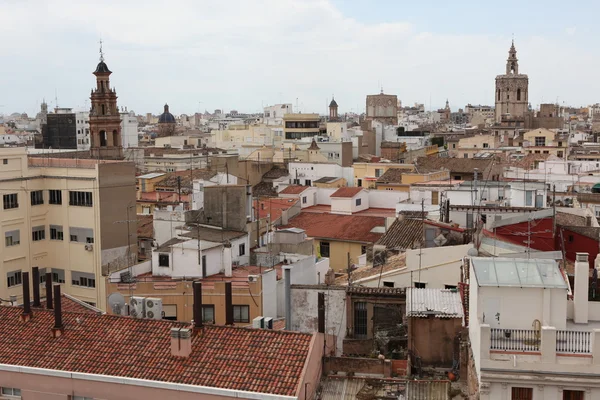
{"x":55,"y":98}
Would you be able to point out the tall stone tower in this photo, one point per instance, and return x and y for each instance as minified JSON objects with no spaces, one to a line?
{"x":512,"y":89}
{"x":333,"y":110}
{"x":105,"y":120}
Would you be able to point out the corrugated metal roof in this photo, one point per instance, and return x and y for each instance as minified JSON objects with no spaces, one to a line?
{"x":441,"y":303}
{"x":340,"y":389}
{"x":151,"y":175}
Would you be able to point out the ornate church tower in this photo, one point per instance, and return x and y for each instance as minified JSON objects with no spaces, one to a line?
{"x":333,"y":110}
{"x":105,"y":120}
{"x":512,"y":89}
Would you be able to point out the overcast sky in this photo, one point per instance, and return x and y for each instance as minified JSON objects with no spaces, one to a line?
{"x":244,"y":54}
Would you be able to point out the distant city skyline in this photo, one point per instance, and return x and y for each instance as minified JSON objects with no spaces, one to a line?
{"x":241,"y":55}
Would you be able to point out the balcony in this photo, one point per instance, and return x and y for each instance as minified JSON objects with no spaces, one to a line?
{"x":545,"y":349}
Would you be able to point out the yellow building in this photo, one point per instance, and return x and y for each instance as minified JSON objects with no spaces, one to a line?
{"x":366,"y":174}
{"x":69,"y":218}
{"x":330,"y":182}
{"x":469,"y":146}
{"x":398,"y":180}
{"x":299,"y":126}
{"x":239,"y":136}
{"x":544,"y":141}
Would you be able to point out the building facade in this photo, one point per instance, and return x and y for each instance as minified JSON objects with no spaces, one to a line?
{"x":512,"y":89}
{"x":382,"y":107}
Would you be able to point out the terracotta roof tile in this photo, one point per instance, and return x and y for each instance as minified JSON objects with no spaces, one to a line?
{"x":338,"y":227}
{"x":70,"y":304}
{"x":255,"y":360}
{"x":403,"y":234}
{"x":294,"y":189}
{"x":273,"y":207}
{"x":392,"y":175}
{"x":145,"y":226}
{"x":347,"y":192}
{"x":459,"y":165}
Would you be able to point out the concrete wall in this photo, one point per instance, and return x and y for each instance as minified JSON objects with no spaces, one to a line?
{"x":385,"y":198}
{"x":226,"y":206}
{"x":183,"y":260}
{"x":305,"y":311}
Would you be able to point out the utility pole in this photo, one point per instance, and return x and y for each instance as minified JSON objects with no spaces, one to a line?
{"x":179,"y":189}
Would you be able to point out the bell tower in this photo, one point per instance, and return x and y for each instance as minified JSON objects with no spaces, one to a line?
{"x":105,"y":120}
{"x":333,"y":110}
{"x":512,"y":90}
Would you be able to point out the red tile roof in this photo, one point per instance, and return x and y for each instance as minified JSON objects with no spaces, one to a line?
{"x":255,"y":360}
{"x":273,"y":207}
{"x":338,"y":227}
{"x":145,"y":226}
{"x":70,"y":304}
{"x":294,"y":189}
{"x":347,"y":192}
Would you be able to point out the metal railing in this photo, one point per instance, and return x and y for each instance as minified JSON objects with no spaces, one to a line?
{"x":576,"y":342}
{"x":515,"y":339}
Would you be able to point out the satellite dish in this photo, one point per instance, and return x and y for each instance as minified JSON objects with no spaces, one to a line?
{"x":116,"y":301}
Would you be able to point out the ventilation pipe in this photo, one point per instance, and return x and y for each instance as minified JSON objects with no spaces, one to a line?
{"x":49,"y":304}
{"x":287,"y":276}
{"x":36,"y":287}
{"x":198,"y":320}
{"x":26,"y":315}
{"x":57,"y":330}
{"x":321,"y":311}
{"x":228,"y":304}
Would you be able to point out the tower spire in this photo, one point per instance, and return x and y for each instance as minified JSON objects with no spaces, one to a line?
{"x":101,"y":52}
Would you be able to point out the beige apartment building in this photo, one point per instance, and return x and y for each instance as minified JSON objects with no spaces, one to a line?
{"x":69,"y":218}
{"x":299,"y":126}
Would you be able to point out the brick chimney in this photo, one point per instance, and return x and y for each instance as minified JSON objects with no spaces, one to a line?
{"x":582,"y":281}
{"x":198,"y":320}
{"x":57,"y":330}
{"x":228,"y":304}
{"x":49,"y":304}
{"x":181,"y":342}
{"x":36,"y":287}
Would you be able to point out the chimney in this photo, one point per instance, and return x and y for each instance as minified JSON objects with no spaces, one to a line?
{"x":227,"y":266}
{"x":321,"y":311}
{"x":287,"y":276}
{"x":49,"y":305}
{"x":26,"y":315}
{"x":181,"y":342}
{"x":57,"y":330}
{"x":198,"y":320}
{"x":582,"y":281}
{"x":228,"y":304}
{"x":36,"y":287}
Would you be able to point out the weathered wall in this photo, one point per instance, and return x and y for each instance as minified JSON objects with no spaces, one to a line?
{"x":433,"y":339}
{"x":226,"y":206}
{"x":357,"y":366}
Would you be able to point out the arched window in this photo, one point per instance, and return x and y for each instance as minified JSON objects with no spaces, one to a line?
{"x":518,"y":94}
{"x":102,"y":86}
{"x":498,"y":94}
{"x":103,"y":110}
{"x":116,"y":139}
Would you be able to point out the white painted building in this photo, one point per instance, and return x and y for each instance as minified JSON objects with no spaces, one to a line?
{"x":273,"y":115}
{"x":82,"y":127}
{"x":550,"y":348}
{"x":221,"y":178}
{"x":507,"y":194}
{"x":129,"y":129}
{"x":304,"y":173}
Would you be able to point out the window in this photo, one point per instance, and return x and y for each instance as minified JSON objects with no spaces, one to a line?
{"x":84,"y":279}
{"x":486,"y":145}
{"x":83,"y":199}
{"x":451,"y":287}
{"x":358,"y":202}
{"x":81,"y":235}
{"x":466,"y":155}
{"x":38,"y":233}
{"x":5,"y":161}
{"x":208,"y":313}
{"x":12,"y":238}
{"x":242,"y":249}
{"x":81,"y":398}
{"x":324,"y":249}
{"x":363,"y":249}
{"x":378,"y":172}
{"x":518,"y":94}
{"x":528,"y":198}
{"x":42,"y":275}
{"x":518,"y":393}
{"x":573,"y":395}
{"x":241,"y":313}
{"x":307,"y":182}
{"x":453,"y":145}
{"x":163,"y":260}
{"x":55,"y":197}
{"x":457,"y":177}
{"x":388,"y":284}
{"x":6,"y":391}
{"x":56,"y":232}
{"x":304,"y":199}
{"x":10,"y":201}
{"x":420,"y":285}
{"x":58,"y":275}
{"x":296,"y":181}
{"x":360,"y":319}
{"x":37,"y":197}
{"x":559,"y":144}
{"x":13,"y":278}
{"x":540,"y":141}
{"x":359,"y":183}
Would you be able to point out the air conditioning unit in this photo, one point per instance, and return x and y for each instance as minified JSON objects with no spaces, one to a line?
{"x":252,"y":278}
{"x":268,"y":324}
{"x":153,"y":308}
{"x":89,"y":247}
{"x":136,"y":307}
{"x":258,"y":322}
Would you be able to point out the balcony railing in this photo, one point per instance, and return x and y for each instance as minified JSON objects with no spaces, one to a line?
{"x":575,"y":342}
{"x":514,"y":340}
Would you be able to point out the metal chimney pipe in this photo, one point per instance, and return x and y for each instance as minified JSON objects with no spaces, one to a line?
{"x":26,"y":297}
{"x":228,"y":304}
{"x":198,"y":320}
{"x":36,"y":287}
{"x":288,"y":301}
{"x":49,"y":304}
{"x":57,"y":308}
{"x":321,"y":311}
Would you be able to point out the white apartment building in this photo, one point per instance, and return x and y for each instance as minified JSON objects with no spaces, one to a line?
{"x":129,"y":129}
{"x":500,"y":193}
{"x":550,"y":348}
{"x":69,"y":218}
{"x":82,"y":125}
{"x":273,"y":115}
{"x":304,"y":173}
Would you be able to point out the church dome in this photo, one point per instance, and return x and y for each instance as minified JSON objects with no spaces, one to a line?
{"x":333,"y":103}
{"x":166,"y":117}
{"x":102,"y":68}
